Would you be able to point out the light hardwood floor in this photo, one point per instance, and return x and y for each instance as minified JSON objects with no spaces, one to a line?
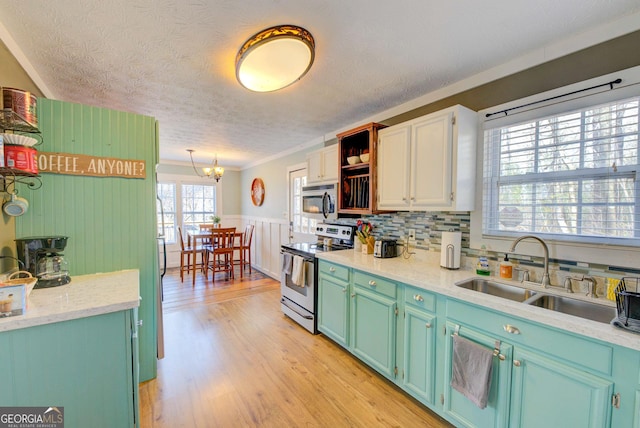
{"x":232,"y":359}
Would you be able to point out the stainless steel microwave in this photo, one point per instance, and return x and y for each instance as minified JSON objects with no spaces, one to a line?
{"x":319,"y":201}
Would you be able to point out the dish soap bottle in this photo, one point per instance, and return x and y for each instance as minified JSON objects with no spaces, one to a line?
{"x":482,"y":267}
{"x":506,"y":268}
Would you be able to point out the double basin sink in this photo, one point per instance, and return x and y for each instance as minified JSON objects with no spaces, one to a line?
{"x":564,"y":304}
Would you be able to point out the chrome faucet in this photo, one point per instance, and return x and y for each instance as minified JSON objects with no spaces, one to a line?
{"x":546,"y":283}
{"x":592,"y":286}
{"x":567,"y":284}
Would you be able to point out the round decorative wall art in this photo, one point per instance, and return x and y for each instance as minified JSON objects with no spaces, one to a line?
{"x":257,"y":191}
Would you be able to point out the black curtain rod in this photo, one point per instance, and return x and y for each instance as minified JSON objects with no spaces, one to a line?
{"x":506,"y":111}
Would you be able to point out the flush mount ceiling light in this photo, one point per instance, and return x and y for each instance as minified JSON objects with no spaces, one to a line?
{"x":213,"y":172}
{"x":275,"y":58}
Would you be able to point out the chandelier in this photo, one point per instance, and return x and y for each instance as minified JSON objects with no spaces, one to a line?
{"x":214,"y":171}
{"x":275,"y":58}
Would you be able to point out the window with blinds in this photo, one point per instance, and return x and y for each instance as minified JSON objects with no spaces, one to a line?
{"x":198,"y":205}
{"x":572,"y":175}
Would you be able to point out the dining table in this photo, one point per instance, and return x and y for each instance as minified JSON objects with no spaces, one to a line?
{"x":201,"y":235}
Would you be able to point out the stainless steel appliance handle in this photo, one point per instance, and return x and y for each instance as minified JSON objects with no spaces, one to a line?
{"x":306,"y":259}
{"x":325,"y":205}
{"x":305,"y":316}
{"x":161,"y":235}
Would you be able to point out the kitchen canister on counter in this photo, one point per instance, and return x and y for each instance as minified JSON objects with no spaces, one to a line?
{"x":450,"y":250}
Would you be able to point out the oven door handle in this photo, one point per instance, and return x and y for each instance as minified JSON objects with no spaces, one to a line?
{"x":306,"y":259}
{"x":284,"y":302}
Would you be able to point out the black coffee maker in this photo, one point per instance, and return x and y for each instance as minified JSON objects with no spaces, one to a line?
{"x":42,"y":256}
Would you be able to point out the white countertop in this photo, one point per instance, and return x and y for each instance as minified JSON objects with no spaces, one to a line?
{"x":423,"y":270}
{"x":84,"y":296}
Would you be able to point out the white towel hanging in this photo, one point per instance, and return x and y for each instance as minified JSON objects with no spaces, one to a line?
{"x":298,"y":272}
{"x":287,"y":263}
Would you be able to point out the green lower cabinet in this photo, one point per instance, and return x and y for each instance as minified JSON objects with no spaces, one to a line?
{"x":459,"y":408}
{"x":636,"y":418}
{"x":546,"y":393}
{"x":419,"y":354}
{"x":541,"y":377}
{"x":88,"y":366}
{"x":373,"y":330}
{"x":333,"y":308}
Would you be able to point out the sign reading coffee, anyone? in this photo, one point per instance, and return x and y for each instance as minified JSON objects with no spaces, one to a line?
{"x":91,"y":166}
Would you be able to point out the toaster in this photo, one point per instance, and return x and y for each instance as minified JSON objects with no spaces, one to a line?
{"x":385,"y":248}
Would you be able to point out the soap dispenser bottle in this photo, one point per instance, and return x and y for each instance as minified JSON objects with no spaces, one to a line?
{"x":506,"y":268}
{"x":482,"y":267}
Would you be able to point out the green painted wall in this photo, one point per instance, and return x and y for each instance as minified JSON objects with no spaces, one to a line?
{"x":110,"y":221}
{"x":604,"y":58}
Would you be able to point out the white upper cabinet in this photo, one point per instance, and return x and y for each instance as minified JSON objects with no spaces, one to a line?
{"x":428,"y":163}
{"x":322,"y":165}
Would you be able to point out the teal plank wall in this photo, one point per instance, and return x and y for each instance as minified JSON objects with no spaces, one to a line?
{"x":110,"y":221}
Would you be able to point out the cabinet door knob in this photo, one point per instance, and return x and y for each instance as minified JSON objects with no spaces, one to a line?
{"x":353,"y":295}
{"x":344,"y":290}
{"x":501,"y":357}
{"x":428,"y":325}
{"x":517,"y":363}
{"x":372,"y":283}
{"x":332,"y":269}
{"x":418,"y":298}
{"x":511,"y":329}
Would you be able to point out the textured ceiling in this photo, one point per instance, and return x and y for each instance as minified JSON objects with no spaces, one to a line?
{"x":174,"y":60}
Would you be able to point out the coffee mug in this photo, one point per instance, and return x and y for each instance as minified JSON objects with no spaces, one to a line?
{"x":15,"y":206}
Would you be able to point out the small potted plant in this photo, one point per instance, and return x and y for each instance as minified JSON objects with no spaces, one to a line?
{"x":216,"y":220}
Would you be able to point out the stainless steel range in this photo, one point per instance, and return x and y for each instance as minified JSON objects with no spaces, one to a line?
{"x":298,"y":280}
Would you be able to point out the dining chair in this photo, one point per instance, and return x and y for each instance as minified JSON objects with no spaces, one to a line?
{"x":219,"y":254}
{"x":187,"y":250}
{"x":244,"y":249}
{"x":206,"y":227}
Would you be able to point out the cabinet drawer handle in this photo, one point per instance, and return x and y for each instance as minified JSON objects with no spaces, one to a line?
{"x":372,"y":283}
{"x":418,"y":298}
{"x":332,"y":269}
{"x":428,"y":325}
{"x":517,"y":363}
{"x":511,"y":329}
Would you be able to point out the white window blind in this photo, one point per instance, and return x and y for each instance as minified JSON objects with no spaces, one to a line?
{"x":198,"y":205}
{"x":571,"y":176}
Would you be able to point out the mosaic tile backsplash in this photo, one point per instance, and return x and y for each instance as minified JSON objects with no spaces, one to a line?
{"x":430,"y":225}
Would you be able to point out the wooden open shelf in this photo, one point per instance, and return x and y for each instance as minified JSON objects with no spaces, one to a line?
{"x":357,"y":183}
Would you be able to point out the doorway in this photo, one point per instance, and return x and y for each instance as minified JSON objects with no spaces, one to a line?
{"x":301,"y":227}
